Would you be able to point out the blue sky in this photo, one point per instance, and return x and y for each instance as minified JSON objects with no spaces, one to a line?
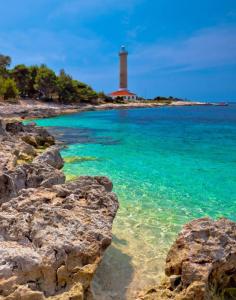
{"x":183,"y":48}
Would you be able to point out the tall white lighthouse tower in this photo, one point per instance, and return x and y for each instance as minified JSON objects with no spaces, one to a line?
{"x":123,"y":91}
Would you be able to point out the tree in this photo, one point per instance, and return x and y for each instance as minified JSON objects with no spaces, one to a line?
{"x":67,"y":88}
{"x":85,"y":92}
{"x":22,"y":77}
{"x":41,"y":82}
{"x":33,"y":73}
{"x":1,"y":87}
{"x":8,"y":88}
{"x":45,"y":82}
{"x":5,"y":62}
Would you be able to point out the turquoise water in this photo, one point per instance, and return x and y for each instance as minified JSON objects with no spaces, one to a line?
{"x":168,"y":166}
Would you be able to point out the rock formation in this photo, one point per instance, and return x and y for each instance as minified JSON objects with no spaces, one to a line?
{"x":52,"y":234}
{"x":201,"y":264}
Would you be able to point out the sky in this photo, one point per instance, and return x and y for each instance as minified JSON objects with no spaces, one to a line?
{"x":181,"y":48}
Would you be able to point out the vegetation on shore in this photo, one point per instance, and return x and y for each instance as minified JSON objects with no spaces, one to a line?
{"x":42,"y":83}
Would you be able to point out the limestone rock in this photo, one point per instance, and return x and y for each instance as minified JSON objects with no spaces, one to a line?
{"x":36,"y":136}
{"x":2,"y":127}
{"x":51,"y":239}
{"x":30,"y":134}
{"x":16,"y":170}
{"x":201,"y":264}
{"x":51,"y":157}
{"x":52,"y":234}
{"x":8,"y":154}
{"x":28,"y":176}
{"x":19,"y":143}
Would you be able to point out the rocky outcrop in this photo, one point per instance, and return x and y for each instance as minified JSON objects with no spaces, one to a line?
{"x":19,"y":143}
{"x":19,"y":169}
{"x":52,"y":234}
{"x":201,"y":264}
{"x":28,"y":176}
{"x":52,"y":239}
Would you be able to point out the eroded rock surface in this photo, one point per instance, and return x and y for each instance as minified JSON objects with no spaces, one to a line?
{"x":201,"y":264}
{"x":52,"y":239}
{"x":52,"y":234}
{"x":20,"y":164}
{"x":51,"y":157}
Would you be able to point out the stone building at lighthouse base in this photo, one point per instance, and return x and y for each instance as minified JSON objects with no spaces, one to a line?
{"x":124,"y":94}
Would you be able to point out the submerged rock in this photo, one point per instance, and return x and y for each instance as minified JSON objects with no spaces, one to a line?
{"x":201,"y":264}
{"x":53,"y":239}
{"x":78,"y":159}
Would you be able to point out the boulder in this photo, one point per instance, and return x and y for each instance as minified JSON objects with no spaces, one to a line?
{"x":201,"y":264}
{"x":52,"y":239}
{"x":51,"y":157}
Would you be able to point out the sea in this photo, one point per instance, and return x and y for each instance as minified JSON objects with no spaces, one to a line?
{"x":168,"y":165}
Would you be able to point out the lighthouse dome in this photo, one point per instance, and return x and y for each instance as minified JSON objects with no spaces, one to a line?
{"x":123,"y":50}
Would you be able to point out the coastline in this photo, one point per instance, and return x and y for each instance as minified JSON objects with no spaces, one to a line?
{"x":37,"y":206}
{"x":30,"y":109}
{"x":173,"y":278}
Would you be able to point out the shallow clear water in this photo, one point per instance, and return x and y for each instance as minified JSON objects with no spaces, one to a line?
{"x":168,"y":166}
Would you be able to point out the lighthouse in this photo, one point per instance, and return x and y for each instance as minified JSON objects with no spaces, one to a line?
{"x":123,"y":91}
{"x":123,"y":69}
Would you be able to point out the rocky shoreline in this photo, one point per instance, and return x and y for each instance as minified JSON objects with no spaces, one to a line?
{"x":201,"y":264}
{"x":54,"y":233}
{"x":35,"y":109}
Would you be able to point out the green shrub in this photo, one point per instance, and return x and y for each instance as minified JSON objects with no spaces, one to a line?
{"x":8,"y":88}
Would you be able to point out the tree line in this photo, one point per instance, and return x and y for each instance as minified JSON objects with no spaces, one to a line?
{"x":41,"y":82}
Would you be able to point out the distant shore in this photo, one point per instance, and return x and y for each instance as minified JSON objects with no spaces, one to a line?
{"x":28,"y":109}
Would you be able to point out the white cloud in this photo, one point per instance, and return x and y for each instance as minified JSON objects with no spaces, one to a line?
{"x":209,"y":48}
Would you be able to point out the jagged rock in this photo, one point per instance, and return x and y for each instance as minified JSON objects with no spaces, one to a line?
{"x":2,"y":128}
{"x":37,"y":138}
{"x":14,"y":127}
{"x":105,"y":182}
{"x":9,"y":152}
{"x":51,"y":157}
{"x":13,"y":148}
{"x":30,"y":134}
{"x":201,"y":264}
{"x":28,"y":176}
{"x":14,"y":151}
{"x":52,"y":234}
{"x":52,"y":239}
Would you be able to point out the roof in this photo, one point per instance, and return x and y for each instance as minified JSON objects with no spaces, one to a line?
{"x":122,"y":93}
